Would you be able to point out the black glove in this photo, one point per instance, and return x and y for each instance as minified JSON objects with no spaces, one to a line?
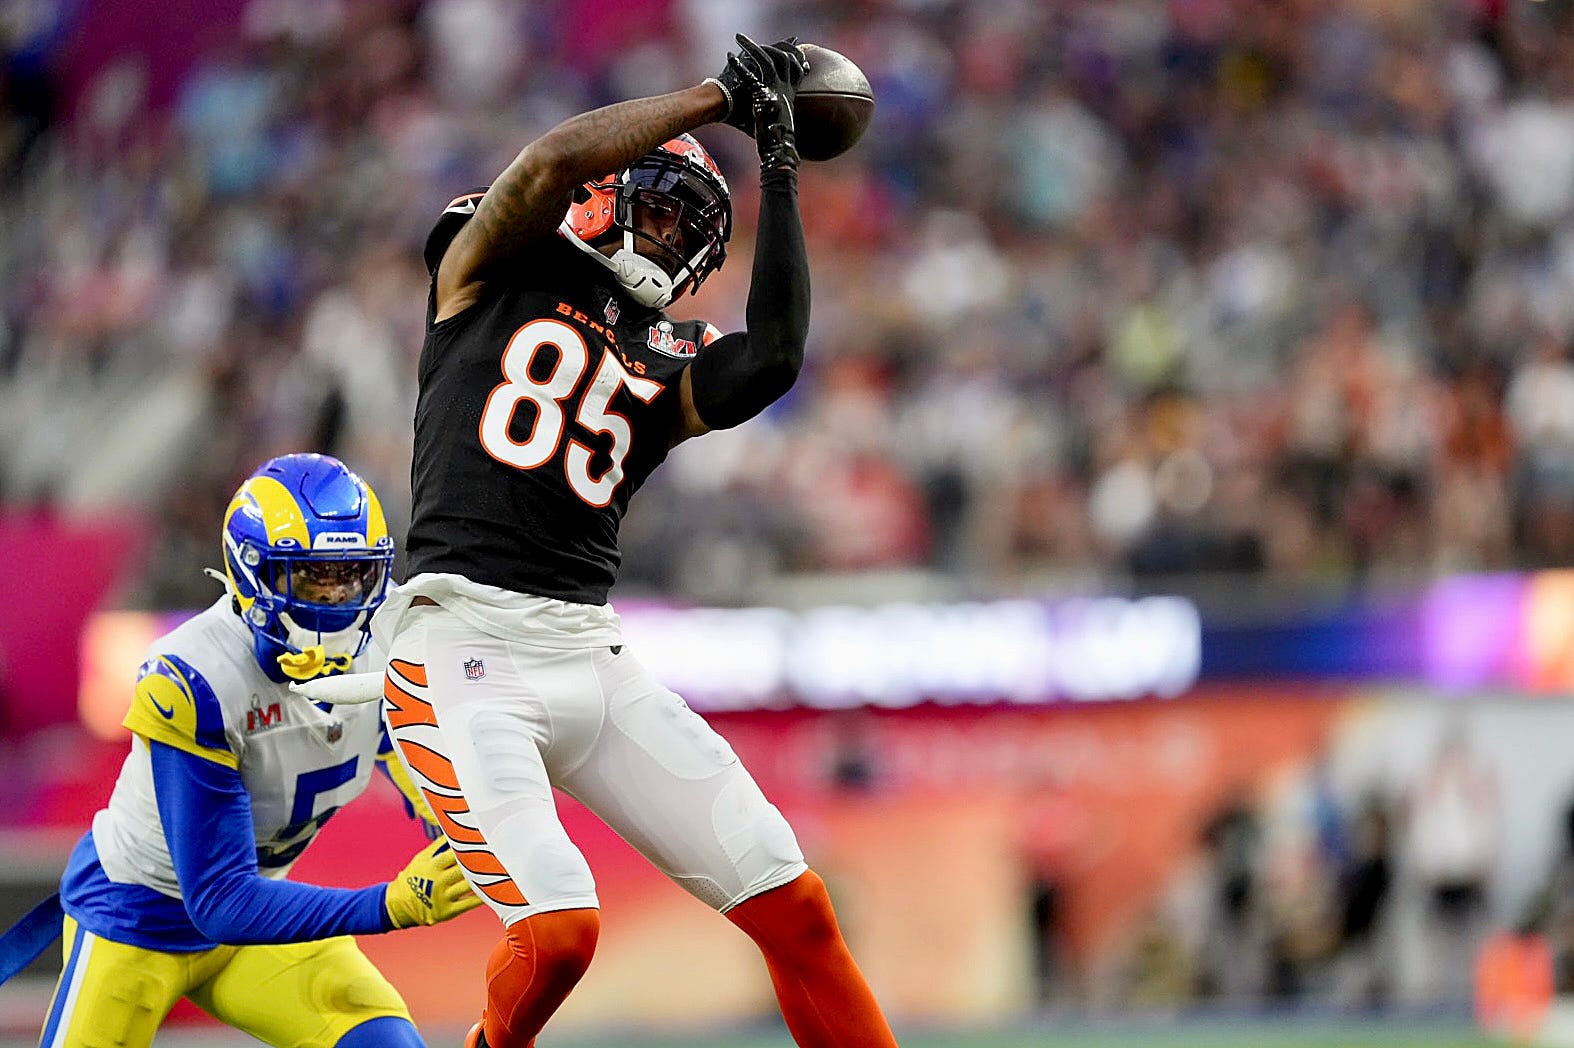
{"x":773,"y":74}
{"x":760,"y":83}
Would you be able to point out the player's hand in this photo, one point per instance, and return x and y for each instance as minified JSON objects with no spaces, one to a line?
{"x":737,"y":86}
{"x":759,"y":83}
{"x":430,"y":889}
{"x":773,"y":73}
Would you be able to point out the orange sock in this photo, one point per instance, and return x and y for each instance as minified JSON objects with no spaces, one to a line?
{"x":822,"y":993}
{"x":538,"y":961}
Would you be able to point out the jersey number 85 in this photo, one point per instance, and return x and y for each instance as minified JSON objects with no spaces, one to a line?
{"x":548,"y":395}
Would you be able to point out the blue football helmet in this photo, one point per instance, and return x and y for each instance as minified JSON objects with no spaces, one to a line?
{"x":307,"y":557}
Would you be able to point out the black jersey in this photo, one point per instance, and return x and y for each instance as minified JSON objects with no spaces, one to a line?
{"x":542,"y":409}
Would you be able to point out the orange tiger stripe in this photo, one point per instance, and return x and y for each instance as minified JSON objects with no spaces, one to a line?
{"x":480,"y":862}
{"x":430,"y":763}
{"x":413,"y":670}
{"x":447,"y":807}
{"x":504,"y":893}
{"x":404,"y":709}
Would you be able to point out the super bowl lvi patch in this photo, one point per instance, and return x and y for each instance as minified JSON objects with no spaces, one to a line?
{"x":662,"y":340}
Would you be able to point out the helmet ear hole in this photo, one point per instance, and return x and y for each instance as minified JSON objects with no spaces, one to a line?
{"x":590,"y":211}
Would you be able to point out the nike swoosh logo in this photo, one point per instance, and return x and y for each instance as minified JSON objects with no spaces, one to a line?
{"x":169,"y":714}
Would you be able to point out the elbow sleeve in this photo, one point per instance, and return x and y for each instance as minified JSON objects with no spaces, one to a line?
{"x":734,"y":379}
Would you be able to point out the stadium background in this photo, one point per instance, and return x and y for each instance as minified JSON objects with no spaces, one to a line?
{"x":1150,"y":606}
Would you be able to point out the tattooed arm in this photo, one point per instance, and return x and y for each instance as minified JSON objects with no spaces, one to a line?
{"x":529,"y":199}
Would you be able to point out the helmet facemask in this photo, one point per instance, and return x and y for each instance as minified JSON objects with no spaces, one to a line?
{"x":328,"y":601}
{"x":316,"y":607}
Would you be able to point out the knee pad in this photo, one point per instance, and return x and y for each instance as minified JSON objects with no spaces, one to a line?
{"x":334,"y":991}
{"x":562,"y":939}
{"x":796,"y":917}
{"x":544,"y":951}
{"x":537,"y":963}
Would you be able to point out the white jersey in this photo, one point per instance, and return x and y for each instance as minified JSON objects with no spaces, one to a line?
{"x":202,"y":691}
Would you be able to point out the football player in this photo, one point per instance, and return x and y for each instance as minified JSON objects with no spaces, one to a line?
{"x":551,"y":385}
{"x":178,"y":889}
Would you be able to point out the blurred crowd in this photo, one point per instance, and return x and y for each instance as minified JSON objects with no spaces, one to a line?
{"x":1307,"y":894}
{"x":1149,"y":289}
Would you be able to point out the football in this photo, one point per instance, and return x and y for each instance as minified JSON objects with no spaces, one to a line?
{"x":834,"y":104}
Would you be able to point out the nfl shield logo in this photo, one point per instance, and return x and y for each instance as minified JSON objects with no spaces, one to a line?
{"x":475,"y":669}
{"x":335,"y":731}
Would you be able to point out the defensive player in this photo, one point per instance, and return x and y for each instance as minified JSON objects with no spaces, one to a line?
{"x":551,"y":385}
{"x":178,"y":889}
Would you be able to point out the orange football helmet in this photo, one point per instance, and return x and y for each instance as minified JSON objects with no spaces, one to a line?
{"x":667,"y":217}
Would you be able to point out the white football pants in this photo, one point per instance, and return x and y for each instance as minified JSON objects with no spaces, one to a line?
{"x":487,"y":727}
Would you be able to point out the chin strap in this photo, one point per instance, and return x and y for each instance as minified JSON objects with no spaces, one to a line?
{"x":648,"y":286}
{"x":313,"y":662}
{"x":645,"y":281}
